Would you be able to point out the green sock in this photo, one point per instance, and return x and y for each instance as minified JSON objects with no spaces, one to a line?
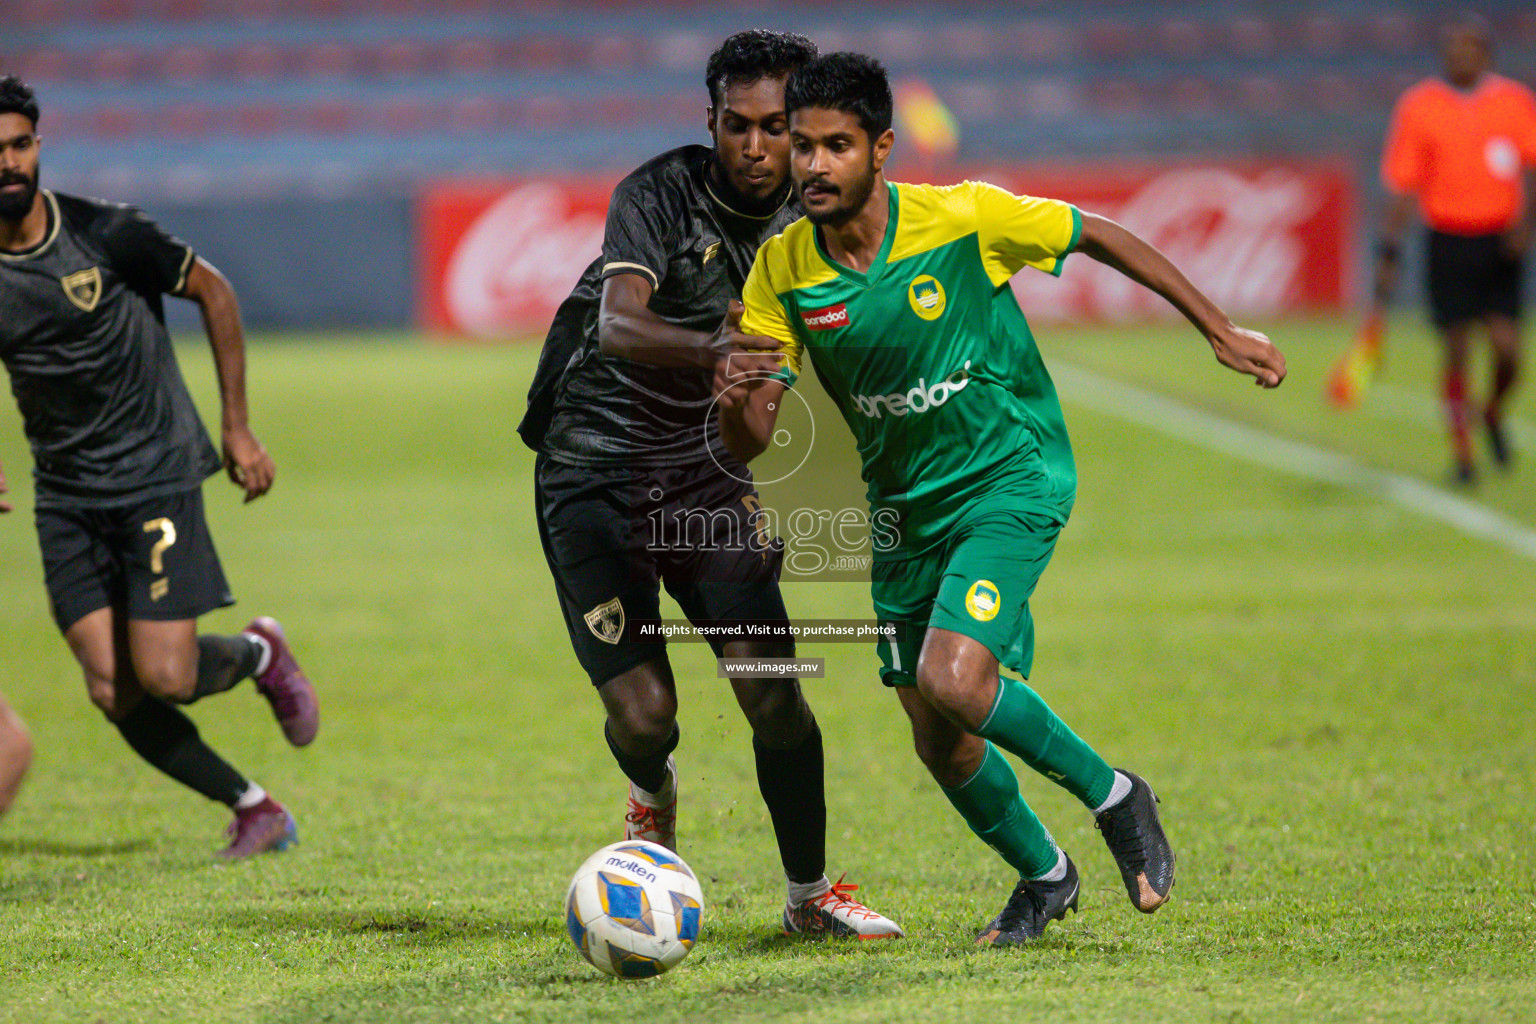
{"x":1024,"y":725}
{"x":990,"y":803}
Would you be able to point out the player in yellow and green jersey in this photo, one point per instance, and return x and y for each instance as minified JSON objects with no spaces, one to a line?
{"x":899,"y":295}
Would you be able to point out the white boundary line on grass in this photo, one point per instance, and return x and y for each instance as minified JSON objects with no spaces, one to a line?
{"x":1218,"y":434}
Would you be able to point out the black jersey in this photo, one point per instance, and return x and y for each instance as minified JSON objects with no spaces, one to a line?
{"x":82,"y":335}
{"x":667,"y":223}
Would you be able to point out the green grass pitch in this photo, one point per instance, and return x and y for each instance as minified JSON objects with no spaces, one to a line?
{"x":1332,"y":693}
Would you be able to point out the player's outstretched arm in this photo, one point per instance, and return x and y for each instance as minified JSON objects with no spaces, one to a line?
{"x":628,"y":329}
{"x":1242,"y":350}
{"x":245,"y":460}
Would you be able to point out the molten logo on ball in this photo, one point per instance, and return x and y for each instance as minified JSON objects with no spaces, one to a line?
{"x":633,"y":909}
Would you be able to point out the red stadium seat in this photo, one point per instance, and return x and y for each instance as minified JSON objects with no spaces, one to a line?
{"x":1263,"y":95}
{"x":261,"y":119}
{"x":1182,"y":38}
{"x":330,"y":60}
{"x":1324,"y":34}
{"x":184,"y":65}
{"x":900,"y":44}
{"x":1189,"y":96}
{"x":968,"y":45}
{"x":1252,"y":37}
{"x":682,"y":51}
{"x":186,"y":121}
{"x":541,"y":112}
{"x":1110,"y":40}
{"x":259,"y":62}
{"x":611,"y":54}
{"x":541,"y":53}
{"x":118,"y":121}
{"x":471,"y":57}
{"x":1333,"y":94}
{"x":45,"y":65}
{"x":406,"y":116}
{"x":115,"y":65}
{"x":1117,"y":96}
{"x":403,"y":58}
{"x":1397,"y":32}
{"x":473,"y":115}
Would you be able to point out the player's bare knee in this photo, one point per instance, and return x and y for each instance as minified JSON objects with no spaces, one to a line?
{"x":944,"y":690}
{"x":646,"y":719}
{"x":169,"y":678}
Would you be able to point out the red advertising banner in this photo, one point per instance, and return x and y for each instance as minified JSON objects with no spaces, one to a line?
{"x":498,"y":258}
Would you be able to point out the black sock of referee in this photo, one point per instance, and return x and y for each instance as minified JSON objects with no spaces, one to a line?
{"x":793,"y":787}
{"x":648,"y":771}
{"x":167,"y":739}
{"x":223,"y":661}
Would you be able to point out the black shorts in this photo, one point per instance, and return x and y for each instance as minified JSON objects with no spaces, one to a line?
{"x":1470,"y":277}
{"x":153,"y":560}
{"x":613,"y":536}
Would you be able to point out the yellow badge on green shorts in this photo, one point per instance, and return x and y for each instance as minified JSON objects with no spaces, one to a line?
{"x":983,"y":600}
{"x":926,"y":295}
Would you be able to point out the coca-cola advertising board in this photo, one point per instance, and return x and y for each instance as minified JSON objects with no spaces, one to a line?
{"x":497,"y":258}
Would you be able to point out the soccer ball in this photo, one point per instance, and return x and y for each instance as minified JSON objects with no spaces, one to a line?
{"x":633,"y":909}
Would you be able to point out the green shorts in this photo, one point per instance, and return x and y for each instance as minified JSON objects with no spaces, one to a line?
{"x":978,"y":584}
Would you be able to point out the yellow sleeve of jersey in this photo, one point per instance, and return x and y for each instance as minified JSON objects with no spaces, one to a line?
{"x":1023,"y":231}
{"x":765,"y":313}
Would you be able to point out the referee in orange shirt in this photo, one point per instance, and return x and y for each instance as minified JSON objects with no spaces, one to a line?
{"x":1456,"y":150}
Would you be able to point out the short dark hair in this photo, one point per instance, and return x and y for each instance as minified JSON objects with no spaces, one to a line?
{"x":850,"y":82}
{"x":16,"y":98}
{"x":756,"y":53}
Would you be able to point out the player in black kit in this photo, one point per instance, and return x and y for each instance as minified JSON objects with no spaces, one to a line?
{"x":119,"y":458}
{"x":623,"y":445}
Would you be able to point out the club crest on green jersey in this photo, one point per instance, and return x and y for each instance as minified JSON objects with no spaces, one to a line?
{"x":83,"y":288}
{"x":926,"y":296}
{"x":983,"y":600}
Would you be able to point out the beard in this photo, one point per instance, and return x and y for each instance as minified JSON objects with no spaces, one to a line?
{"x":16,"y":205}
{"x":850,"y":201}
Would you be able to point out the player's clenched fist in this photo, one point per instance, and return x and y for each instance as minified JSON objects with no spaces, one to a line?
{"x":1249,"y":352}
{"x":742,"y":359}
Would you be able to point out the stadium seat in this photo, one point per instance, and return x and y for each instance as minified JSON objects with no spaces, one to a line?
{"x":184,"y":65}
{"x":116,"y":65}
{"x":467,"y":57}
{"x":258,"y":62}
{"x":1182,"y":39}
{"x":334,"y":60}
{"x":186,"y":121}
{"x":1112,"y":40}
{"x":402,"y":58}
{"x":45,"y":65}
{"x":1252,"y":37}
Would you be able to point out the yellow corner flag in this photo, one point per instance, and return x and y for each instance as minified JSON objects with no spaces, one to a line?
{"x":926,"y":121}
{"x":1354,"y":372}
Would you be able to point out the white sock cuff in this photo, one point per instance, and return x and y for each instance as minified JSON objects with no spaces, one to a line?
{"x":1056,"y":873}
{"x":1119,"y":791}
{"x":252,"y":796}
{"x":799,"y":892}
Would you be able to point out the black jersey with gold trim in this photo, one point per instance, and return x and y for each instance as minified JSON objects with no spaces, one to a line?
{"x":667,"y":223}
{"x":83,"y":338}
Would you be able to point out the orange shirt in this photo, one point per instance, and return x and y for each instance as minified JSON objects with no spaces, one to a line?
{"x":1462,"y":153}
